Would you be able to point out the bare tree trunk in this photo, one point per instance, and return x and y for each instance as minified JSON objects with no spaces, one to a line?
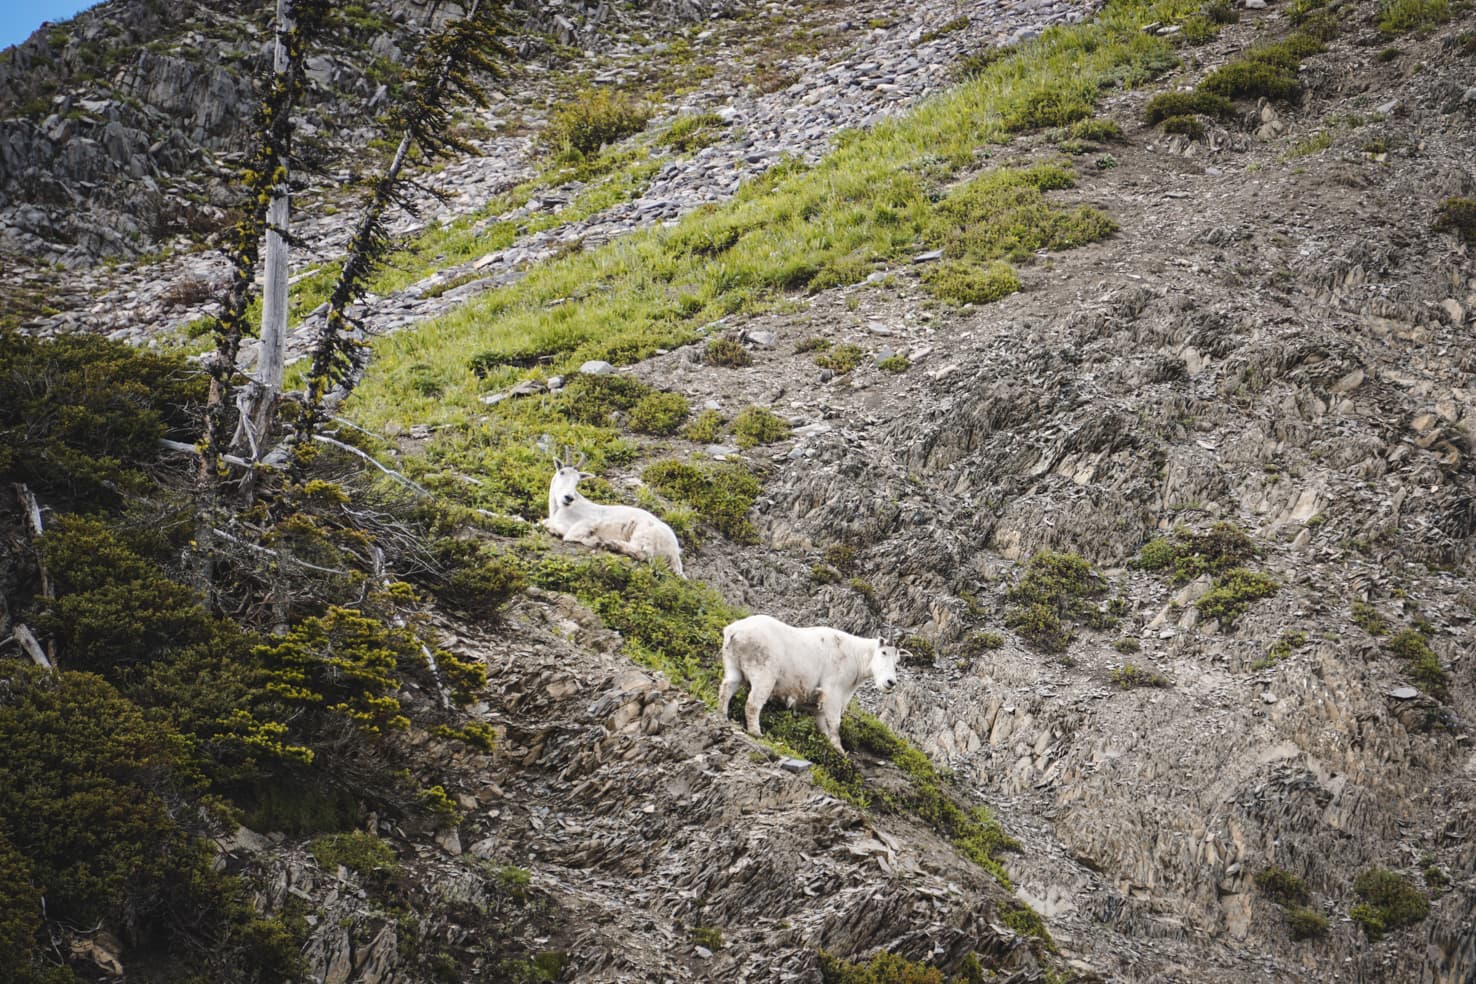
{"x":261,"y":396}
{"x":32,"y":510}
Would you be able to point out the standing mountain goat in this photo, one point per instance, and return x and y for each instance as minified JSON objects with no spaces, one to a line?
{"x":625,"y":529}
{"x":815,"y":665}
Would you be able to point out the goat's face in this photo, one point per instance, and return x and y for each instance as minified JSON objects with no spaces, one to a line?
{"x":564,"y":488}
{"x":884,"y":667}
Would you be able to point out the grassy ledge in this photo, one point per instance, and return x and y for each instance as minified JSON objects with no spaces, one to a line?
{"x":870,"y":201}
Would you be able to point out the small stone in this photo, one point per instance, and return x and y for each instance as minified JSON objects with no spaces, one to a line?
{"x":555,"y":383}
{"x":1403,"y":693}
{"x":704,"y":953}
{"x":596,"y":367}
{"x":1255,"y":4}
{"x":794,"y":764}
{"x":1268,"y":697}
{"x":929,"y":256}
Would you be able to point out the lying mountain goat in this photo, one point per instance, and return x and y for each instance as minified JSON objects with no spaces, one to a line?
{"x":625,"y":529}
{"x":818,"y":665}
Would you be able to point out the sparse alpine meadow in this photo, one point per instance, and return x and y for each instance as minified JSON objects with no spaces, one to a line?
{"x":1123,"y":378}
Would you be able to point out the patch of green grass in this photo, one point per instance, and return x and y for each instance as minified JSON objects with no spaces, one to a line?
{"x":1188,"y":126}
{"x":757,"y":425}
{"x":1367,"y":618}
{"x":1127,"y":645}
{"x":1129,"y":676}
{"x":840,"y":359}
{"x":925,"y":794}
{"x":1389,"y":902}
{"x":705,"y":428}
{"x":659,"y":414}
{"x":1025,"y":921}
{"x":894,"y":364}
{"x":1281,"y":649}
{"x":966,"y":283}
{"x":689,"y":133}
{"x":1096,"y":130}
{"x":708,"y":936}
{"x":720,"y":492}
{"x":1233,"y":593}
{"x":812,"y":344}
{"x":1189,"y":554}
{"x":1304,"y":923}
{"x":1057,"y":591}
{"x":841,"y":556}
{"x":1253,"y":79}
{"x":882,"y":968}
{"x":1282,"y":887}
{"x":593,"y":118}
{"x":1307,"y":146}
{"x":1412,"y":16}
{"x":1457,"y":215}
{"x":364,"y":854}
{"x":863,"y":203}
{"x":728,"y":352}
{"x":1168,"y":105}
{"x":1420,"y":662}
{"x":1003,"y":213}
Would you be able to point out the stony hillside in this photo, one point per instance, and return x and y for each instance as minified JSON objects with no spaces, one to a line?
{"x":1179,"y":521}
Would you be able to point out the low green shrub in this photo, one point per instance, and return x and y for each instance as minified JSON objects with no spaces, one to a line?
{"x":1420,"y":662}
{"x":727,"y":351}
{"x":1282,"y":887}
{"x":1233,"y":593}
{"x":362,"y":853}
{"x":689,"y":133}
{"x":1188,"y":126}
{"x":1130,"y":675}
{"x":1190,"y":555}
{"x":1168,"y":105}
{"x":840,"y":359}
{"x":705,"y":428}
{"x":1057,"y":591}
{"x":660,"y":414}
{"x":1457,"y":215}
{"x":1305,"y":923}
{"x":1406,"y":16}
{"x":894,"y":363}
{"x":758,"y":425}
{"x":593,"y":118}
{"x":960,"y":283}
{"x":720,"y":492}
{"x":1389,"y":902}
{"x":1250,"y":79}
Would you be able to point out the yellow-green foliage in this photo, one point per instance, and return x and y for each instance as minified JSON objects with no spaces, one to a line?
{"x":976,"y":834}
{"x":362,"y":853}
{"x":1281,"y":649}
{"x":865,"y":202}
{"x":1404,"y":16}
{"x":80,"y":417}
{"x":759,"y":425}
{"x":689,"y":133}
{"x":91,"y":796}
{"x":840,"y":359}
{"x":1389,"y":901}
{"x":1058,"y":590}
{"x":1420,"y":661}
{"x":669,"y":624}
{"x":343,"y":663}
{"x":473,"y":578}
{"x":659,"y":414}
{"x":1004,"y":214}
{"x":883,"y":968}
{"x":1187,"y":126}
{"x":593,"y":118}
{"x":1367,"y":618}
{"x":1189,"y":554}
{"x":720,"y":492}
{"x":960,"y":282}
{"x":1025,"y":921}
{"x":894,"y":363}
{"x":1233,"y":593}
{"x":1268,"y":70}
{"x":1282,"y":887}
{"x":1130,"y":675}
{"x":727,"y":351}
{"x":705,"y":428}
{"x":1168,"y":105}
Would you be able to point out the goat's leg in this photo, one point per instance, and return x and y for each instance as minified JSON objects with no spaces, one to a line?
{"x":758,"y":696}
{"x":828,"y":715}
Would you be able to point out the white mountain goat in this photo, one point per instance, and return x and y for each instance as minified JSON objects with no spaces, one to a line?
{"x":624,"y":529}
{"x":814,"y":665}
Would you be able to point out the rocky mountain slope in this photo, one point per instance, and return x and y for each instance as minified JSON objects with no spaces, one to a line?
{"x":1277,"y":338}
